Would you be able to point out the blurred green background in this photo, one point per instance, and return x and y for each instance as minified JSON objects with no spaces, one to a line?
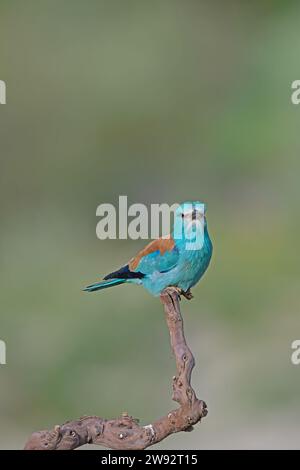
{"x":163,"y":101}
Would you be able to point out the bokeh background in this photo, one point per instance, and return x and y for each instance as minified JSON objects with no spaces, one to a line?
{"x":162,"y":101}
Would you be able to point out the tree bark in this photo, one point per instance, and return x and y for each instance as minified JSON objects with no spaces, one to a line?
{"x":125,"y":432}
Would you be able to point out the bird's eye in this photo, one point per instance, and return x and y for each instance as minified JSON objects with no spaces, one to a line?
{"x":182,"y":215}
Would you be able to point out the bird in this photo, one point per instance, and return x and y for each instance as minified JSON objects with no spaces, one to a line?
{"x":177,"y":261}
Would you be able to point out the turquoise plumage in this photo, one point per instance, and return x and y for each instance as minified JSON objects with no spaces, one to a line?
{"x":178,"y":261}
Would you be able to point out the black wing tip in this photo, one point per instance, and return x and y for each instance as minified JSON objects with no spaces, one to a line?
{"x":124,"y":273}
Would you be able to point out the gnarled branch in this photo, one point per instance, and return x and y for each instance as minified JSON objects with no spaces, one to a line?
{"x":125,"y":432}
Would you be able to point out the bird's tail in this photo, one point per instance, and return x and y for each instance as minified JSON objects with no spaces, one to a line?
{"x":104,"y":284}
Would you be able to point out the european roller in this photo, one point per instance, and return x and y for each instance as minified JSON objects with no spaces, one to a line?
{"x":178,"y":260}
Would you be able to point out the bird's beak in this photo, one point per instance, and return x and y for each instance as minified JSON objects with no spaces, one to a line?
{"x":196,"y":214}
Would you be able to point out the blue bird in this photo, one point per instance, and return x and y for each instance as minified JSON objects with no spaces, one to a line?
{"x":178,"y":260}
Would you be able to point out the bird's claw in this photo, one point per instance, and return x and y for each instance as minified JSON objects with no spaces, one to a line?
{"x":172,"y":289}
{"x":187,"y":294}
{"x":180,"y":292}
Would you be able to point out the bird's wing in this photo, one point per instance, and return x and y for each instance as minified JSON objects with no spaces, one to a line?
{"x":159,"y":255}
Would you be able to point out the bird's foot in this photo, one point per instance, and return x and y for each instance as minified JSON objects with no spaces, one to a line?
{"x":180,"y":292}
{"x":172,"y":289}
{"x":187,"y":294}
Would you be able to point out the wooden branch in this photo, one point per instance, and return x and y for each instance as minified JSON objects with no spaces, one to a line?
{"x":125,"y":432}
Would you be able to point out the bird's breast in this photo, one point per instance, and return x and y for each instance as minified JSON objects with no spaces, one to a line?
{"x":196,"y":261}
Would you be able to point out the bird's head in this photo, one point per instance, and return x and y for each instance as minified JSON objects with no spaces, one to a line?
{"x":190,"y":223}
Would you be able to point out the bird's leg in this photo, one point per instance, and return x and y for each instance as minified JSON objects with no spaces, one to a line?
{"x":187,"y":294}
{"x":175,"y":289}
